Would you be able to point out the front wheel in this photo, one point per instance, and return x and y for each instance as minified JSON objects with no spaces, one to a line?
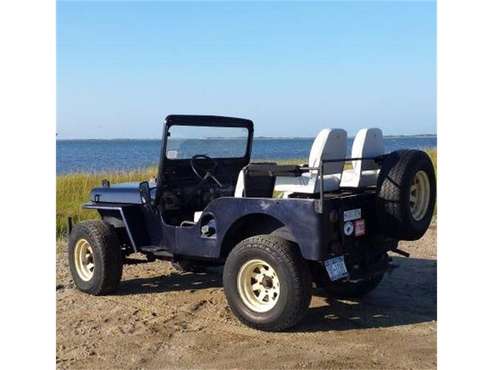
{"x":95,"y":257}
{"x":267,"y":283}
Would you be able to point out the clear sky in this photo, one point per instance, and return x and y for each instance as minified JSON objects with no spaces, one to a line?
{"x":293,"y":68}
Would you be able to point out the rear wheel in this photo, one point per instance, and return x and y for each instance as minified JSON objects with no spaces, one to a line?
{"x":95,"y":257}
{"x":267,"y":283}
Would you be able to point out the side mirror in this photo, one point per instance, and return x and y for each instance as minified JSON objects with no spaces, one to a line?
{"x":145,"y":192}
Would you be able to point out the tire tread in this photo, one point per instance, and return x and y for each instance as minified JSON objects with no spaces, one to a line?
{"x":105,"y":239}
{"x":394,"y":219}
{"x":288,"y":254}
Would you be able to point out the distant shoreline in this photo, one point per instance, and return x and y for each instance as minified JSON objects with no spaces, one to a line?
{"x":94,"y":155}
{"x":259,"y":138}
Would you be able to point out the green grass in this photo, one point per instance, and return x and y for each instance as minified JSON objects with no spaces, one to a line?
{"x":73,"y":190}
{"x":433,"y":155}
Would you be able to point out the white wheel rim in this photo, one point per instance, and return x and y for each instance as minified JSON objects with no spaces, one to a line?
{"x":419,"y":197}
{"x":258,"y":285}
{"x":84,"y":259}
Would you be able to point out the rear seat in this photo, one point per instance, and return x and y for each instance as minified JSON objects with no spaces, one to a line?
{"x":368,"y":142}
{"x":329,"y":144}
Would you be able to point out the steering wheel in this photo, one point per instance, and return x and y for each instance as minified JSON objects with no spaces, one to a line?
{"x":208,"y":167}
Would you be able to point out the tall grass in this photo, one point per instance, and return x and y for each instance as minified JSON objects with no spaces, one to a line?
{"x":73,"y":190}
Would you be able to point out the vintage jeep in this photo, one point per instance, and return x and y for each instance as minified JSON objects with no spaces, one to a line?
{"x":276,"y":228}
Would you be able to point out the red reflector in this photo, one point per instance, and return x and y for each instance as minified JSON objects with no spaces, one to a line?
{"x":359,"y":227}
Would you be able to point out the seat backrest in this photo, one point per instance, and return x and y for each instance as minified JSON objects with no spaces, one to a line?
{"x":240,"y":185}
{"x":368,"y":142}
{"x":329,"y":144}
{"x":254,"y":186}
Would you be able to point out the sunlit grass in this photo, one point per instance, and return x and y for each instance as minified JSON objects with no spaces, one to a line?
{"x":73,"y":190}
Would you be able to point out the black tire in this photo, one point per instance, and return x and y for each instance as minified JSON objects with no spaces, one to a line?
{"x":394,"y":193}
{"x":106,"y":256}
{"x":295,"y":284}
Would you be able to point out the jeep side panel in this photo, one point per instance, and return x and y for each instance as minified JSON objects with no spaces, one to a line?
{"x":298,"y":220}
{"x":297,"y":217}
{"x":128,"y":220}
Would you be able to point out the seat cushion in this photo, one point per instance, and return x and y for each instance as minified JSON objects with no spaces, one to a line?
{"x":350,"y":178}
{"x":306,"y":184}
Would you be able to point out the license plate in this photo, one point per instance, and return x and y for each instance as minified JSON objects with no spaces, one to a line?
{"x":336,"y":267}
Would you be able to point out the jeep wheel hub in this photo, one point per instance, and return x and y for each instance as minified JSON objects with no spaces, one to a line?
{"x":84,"y":260}
{"x":258,"y":285}
{"x":419,"y":196}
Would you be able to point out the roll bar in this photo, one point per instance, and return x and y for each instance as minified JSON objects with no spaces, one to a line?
{"x":273,"y":169}
{"x":320,"y":169}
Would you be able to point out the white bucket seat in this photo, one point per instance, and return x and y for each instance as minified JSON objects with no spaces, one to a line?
{"x":329,"y":144}
{"x":368,"y":142}
{"x":240,"y":185}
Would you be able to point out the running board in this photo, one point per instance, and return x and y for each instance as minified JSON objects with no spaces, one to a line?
{"x":158,"y":253}
{"x":401,"y":252}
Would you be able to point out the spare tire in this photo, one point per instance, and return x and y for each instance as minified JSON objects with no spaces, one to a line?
{"x":406,"y":194}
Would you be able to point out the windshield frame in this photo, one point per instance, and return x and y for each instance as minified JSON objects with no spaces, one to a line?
{"x":206,"y":121}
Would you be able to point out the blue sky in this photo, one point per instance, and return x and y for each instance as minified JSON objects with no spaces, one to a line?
{"x":294,"y":68}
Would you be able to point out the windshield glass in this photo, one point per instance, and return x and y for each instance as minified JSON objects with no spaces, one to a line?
{"x":216,"y":142}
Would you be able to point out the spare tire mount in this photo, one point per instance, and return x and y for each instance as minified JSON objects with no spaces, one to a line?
{"x":406,"y":193}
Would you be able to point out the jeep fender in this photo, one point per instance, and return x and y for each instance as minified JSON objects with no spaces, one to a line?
{"x":291,"y":219}
{"x":120,"y":217}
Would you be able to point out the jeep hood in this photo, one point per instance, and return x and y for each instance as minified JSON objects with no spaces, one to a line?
{"x":127,"y":193}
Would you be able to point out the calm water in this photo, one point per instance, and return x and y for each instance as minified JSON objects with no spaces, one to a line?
{"x":98,"y":155}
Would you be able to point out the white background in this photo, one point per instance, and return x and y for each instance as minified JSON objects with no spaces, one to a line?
{"x":27,"y":214}
{"x":465,"y":220}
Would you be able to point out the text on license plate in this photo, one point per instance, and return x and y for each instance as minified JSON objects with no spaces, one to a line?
{"x":352,"y":214}
{"x":336,"y":268}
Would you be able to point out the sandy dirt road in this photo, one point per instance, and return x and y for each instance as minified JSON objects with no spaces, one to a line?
{"x":163,"y":319}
